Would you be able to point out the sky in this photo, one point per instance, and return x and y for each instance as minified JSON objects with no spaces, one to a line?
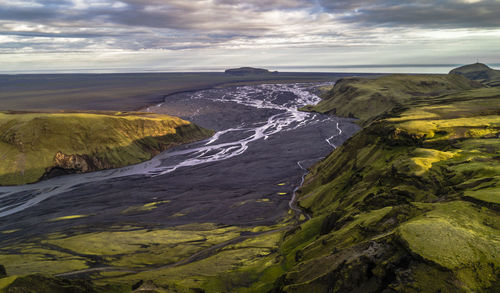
{"x":186,"y":35}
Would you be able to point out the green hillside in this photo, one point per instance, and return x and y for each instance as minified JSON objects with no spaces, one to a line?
{"x":409,"y":204}
{"x":34,"y":145}
{"x":367,"y":98}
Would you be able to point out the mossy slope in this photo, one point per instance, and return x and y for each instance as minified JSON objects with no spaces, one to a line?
{"x":34,"y":145}
{"x":367,"y":98}
{"x":409,"y":204}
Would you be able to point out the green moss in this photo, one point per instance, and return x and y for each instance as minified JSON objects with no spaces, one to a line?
{"x":48,"y":262}
{"x":458,"y":236}
{"x":249,"y":266}
{"x":71,"y":217}
{"x":126,"y":242}
{"x":491,"y":195}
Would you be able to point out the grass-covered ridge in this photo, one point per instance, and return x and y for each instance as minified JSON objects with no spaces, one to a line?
{"x":34,"y":145}
{"x":367,"y":98}
{"x":410,"y":203}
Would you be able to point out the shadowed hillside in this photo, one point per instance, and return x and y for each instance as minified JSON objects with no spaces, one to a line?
{"x":479,"y":72}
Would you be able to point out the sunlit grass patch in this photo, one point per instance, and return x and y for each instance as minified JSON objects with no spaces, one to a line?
{"x":414,"y":114}
{"x":124,"y":242}
{"x":71,"y":217}
{"x":473,"y":126}
{"x":144,"y":208}
{"x":263,"y":200}
{"x":487,"y":195}
{"x":6,"y":281}
{"x":10,"y":231}
{"x":27,"y":261}
{"x":248,"y":266}
{"x":424,"y":158}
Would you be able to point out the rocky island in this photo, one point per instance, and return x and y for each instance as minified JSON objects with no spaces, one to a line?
{"x":246,"y":71}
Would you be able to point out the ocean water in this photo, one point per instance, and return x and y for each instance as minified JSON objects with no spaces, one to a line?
{"x":379,"y":68}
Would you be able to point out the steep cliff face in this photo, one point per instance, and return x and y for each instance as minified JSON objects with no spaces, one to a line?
{"x":409,"y":204}
{"x":41,"y":145}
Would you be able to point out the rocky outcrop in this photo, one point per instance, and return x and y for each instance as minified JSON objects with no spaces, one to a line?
{"x":78,"y":163}
{"x":73,"y":163}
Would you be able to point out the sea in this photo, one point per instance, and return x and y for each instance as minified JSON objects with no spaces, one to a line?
{"x":377,"y":68}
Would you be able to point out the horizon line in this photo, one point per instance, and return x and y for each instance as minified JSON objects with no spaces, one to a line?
{"x":220,"y":69}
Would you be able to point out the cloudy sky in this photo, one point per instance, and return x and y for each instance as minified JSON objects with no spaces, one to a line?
{"x":132,"y":35}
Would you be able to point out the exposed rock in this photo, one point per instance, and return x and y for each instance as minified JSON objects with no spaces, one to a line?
{"x":77,"y":163}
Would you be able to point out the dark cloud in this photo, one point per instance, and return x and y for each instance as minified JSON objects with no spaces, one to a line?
{"x":28,"y":13}
{"x":422,"y":13}
{"x":192,"y":24}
